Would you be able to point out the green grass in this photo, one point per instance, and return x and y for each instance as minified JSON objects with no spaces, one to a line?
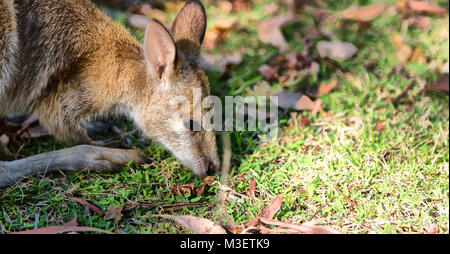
{"x":398,"y":179}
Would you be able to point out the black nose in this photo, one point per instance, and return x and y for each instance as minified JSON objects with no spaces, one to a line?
{"x":212,"y":169}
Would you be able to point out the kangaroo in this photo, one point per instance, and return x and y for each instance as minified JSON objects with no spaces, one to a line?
{"x":68,"y":63}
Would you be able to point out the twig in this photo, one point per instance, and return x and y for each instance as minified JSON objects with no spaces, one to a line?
{"x":397,"y":99}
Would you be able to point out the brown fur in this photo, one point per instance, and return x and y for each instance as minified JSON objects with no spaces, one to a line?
{"x":69,"y":63}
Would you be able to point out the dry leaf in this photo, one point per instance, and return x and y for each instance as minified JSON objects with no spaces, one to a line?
{"x":218,"y":33}
{"x":114,"y":212}
{"x":173,"y":6}
{"x":432,"y":229}
{"x":195,"y":224}
{"x":326,"y":88}
{"x":219,"y":62}
{"x":207,"y":181}
{"x":404,"y":51}
{"x":251,"y":191}
{"x":268,"y":212}
{"x":380,"y":126}
{"x":305,"y":121}
{"x":420,"y":22}
{"x":263,"y":89}
{"x":305,"y":228}
{"x":138,"y":21}
{"x":241,"y":5}
{"x":270,"y":9}
{"x":426,"y":7}
{"x":269,"y":30}
{"x":70,"y":226}
{"x":363,"y":14}
{"x":88,"y":204}
{"x":440,"y":85}
{"x":417,"y":56}
{"x":336,"y":50}
{"x":226,"y":6}
{"x":268,"y":73}
{"x":182,"y":189}
{"x":298,"y":101}
{"x":150,"y":12}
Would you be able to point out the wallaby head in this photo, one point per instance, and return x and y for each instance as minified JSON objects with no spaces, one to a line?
{"x":171,"y":59}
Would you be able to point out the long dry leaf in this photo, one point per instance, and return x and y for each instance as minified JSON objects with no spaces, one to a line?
{"x":305,"y":228}
{"x":426,"y":7}
{"x":268,"y":212}
{"x":363,"y":14}
{"x":251,"y":191}
{"x":88,"y":204}
{"x":440,"y":85}
{"x":70,"y":226}
{"x":195,"y":224}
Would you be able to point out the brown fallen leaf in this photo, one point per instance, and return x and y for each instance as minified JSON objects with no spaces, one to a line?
{"x":219,"y":62}
{"x":432,"y":228}
{"x":326,"y":88}
{"x":305,"y":228}
{"x":226,"y":6}
{"x":298,"y":101}
{"x":268,"y":72}
{"x":363,"y":14}
{"x":195,"y":224}
{"x":266,"y":230}
{"x":305,"y":121}
{"x":114,"y":212}
{"x":70,"y":226}
{"x":336,"y":50}
{"x":150,"y":12}
{"x":218,"y":33}
{"x":420,"y":22}
{"x":182,"y":189}
{"x":441,"y":84}
{"x":251,"y":191}
{"x":207,"y":181}
{"x":173,"y":6}
{"x":241,"y":5}
{"x":269,"y":30}
{"x":268,"y":212}
{"x":88,"y":204}
{"x":380,"y":126}
{"x":417,"y":56}
{"x":426,"y":7}
{"x":404,"y":51}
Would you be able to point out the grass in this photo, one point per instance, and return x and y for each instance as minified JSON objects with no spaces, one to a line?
{"x":338,"y":170}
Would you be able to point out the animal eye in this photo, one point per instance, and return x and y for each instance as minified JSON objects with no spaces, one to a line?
{"x":191,"y":125}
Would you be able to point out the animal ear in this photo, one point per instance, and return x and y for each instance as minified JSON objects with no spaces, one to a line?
{"x":159,"y":50}
{"x":188,"y":28}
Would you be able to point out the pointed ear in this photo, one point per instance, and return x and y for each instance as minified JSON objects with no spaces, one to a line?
{"x":159,"y":50}
{"x":188,"y":28}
